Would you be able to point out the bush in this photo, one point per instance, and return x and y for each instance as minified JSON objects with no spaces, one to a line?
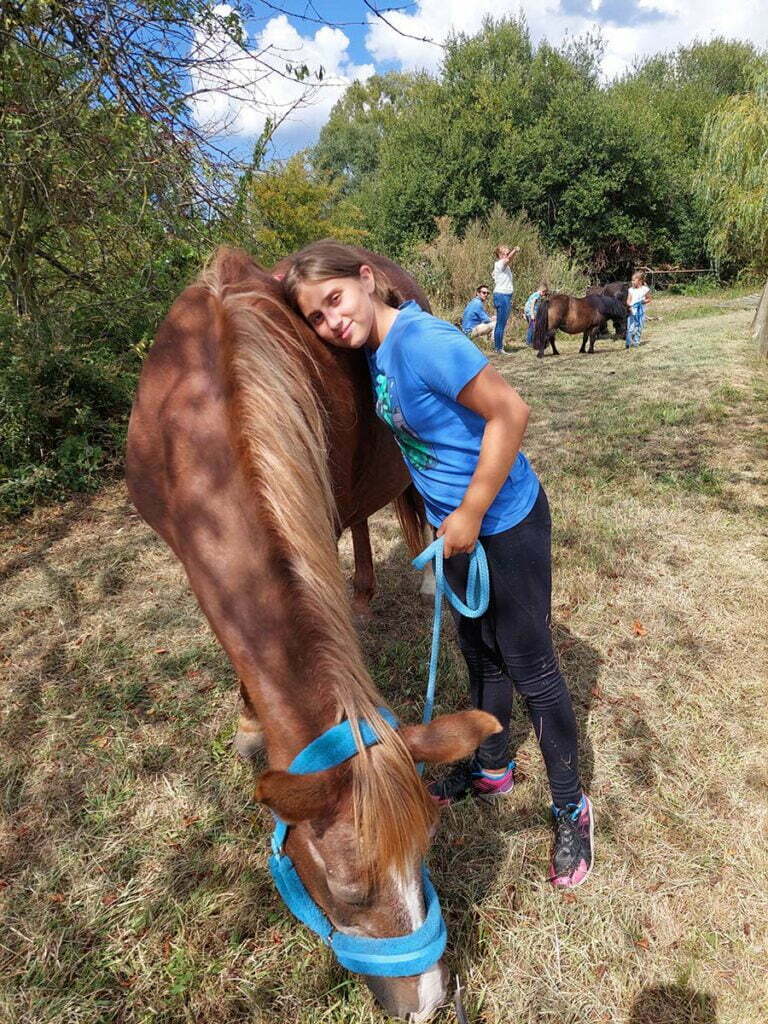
{"x":450,"y":267}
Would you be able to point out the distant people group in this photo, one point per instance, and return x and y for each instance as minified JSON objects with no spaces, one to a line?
{"x":477,"y":323}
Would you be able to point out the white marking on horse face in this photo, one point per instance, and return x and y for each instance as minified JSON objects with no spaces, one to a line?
{"x":431,"y":990}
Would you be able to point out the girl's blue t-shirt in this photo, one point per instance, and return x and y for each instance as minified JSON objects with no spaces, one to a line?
{"x":418,"y":370}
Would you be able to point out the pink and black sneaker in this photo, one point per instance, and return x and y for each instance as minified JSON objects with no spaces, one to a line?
{"x":572,"y":856}
{"x":469,"y":779}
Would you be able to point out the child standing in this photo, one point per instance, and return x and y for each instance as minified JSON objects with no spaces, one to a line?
{"x":459,"y":426}
{"x":531,"y":306}
{"x":638,"y":298}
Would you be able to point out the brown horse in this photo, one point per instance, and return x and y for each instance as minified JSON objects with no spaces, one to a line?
{"x":585,"y":316}
{"x":250,"y":445}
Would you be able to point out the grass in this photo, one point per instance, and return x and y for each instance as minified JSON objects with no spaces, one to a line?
{"x":133,"y":880}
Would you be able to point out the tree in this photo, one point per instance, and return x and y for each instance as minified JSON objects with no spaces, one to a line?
{"x":734,"y":179}
{"x":349,"y":147}
{"x":285,"y":208}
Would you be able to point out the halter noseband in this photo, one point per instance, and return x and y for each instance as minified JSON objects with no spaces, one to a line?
{"x":393,"y":957}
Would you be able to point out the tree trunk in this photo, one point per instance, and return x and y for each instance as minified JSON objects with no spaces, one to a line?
{"x":761,"y":313}
{"x":760,"y":324}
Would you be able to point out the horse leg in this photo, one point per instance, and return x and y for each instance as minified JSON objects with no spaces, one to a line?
{"x":584,"y":341}
{"x":552,"y":343}
{"x":427,"y":588}
{"x":364,"y":580}
{"x":249,"y":738}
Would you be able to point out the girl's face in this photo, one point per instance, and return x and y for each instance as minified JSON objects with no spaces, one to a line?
{"x":340,"y":309}
{"x":636,"y":280}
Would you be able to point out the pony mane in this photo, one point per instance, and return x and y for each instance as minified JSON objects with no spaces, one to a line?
{"x":281,"y":428}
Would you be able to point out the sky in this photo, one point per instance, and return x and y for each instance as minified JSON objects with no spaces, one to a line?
{"x":349,"y":43}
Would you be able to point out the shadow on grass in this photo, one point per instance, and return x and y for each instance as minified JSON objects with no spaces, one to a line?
{"x":50,"y":534}
{"x":673,"y":1004}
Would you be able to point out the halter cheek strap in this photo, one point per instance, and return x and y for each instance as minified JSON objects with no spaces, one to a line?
{"x":392,"y":957}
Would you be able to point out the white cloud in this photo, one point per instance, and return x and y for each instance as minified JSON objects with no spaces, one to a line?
{"x":237,"y":91}
{"x":683,"y":21}
{"x":241,"y":91}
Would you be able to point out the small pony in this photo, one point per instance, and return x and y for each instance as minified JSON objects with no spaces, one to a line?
{"x":587,"y":316}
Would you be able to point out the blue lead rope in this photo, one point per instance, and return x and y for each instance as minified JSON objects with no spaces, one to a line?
{"x":478,"y":595}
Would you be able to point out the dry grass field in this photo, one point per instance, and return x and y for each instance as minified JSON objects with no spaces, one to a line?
{"x":133,"y":878}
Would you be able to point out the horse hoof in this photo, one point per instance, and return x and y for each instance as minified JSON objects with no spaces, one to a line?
{"x":249,"y":739}
{"x":361,"y":609}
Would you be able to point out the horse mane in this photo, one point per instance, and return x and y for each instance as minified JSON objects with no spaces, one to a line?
{"x":275,"y":367}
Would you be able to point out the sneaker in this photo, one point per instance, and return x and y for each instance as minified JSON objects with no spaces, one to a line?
{"x":485,"y":788}
{"x":455,"y":786}
{"x":572,"y":856}
{"x":467,"y":779}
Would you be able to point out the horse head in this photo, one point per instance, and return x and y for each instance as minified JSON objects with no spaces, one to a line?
{"x":369,"y":896}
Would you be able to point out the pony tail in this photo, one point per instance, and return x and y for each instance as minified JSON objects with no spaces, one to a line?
{"x":541,"y":326}
{"x":409,"y":509}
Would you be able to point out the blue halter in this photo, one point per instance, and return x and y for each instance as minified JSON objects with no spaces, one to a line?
{"x":393,"y":957}
{"x":402,"y":955}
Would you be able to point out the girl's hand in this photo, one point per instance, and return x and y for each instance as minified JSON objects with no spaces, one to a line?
{"x":460,"y":531}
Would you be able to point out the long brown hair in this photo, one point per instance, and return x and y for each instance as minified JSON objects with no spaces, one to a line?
{"x":326,"y":259}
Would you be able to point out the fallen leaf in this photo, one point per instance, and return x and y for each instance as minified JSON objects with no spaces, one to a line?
{"x":101,"y":741}
{"x":601,"y":970}
{"x":161,"y":650}
{"x":569,"y":897}
{"x":642,"y":943}
{"x":638,"y":628}
{"x":55,"y":897}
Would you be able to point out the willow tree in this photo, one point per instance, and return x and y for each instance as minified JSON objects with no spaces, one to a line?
{"x":734,"y":187}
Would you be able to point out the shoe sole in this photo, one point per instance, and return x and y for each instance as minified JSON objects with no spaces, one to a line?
{"x":581,"y":881}
{"x":491,"y":798}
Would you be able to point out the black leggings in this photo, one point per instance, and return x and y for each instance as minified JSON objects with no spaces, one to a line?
{"x":511,"y":646}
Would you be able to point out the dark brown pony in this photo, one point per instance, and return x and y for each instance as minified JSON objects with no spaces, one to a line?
{"x":585,"y":316}
{"x":619,"y":291}
{"x":250,"y":445}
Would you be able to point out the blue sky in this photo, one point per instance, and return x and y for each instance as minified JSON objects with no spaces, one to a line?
{"x":354,"y":45}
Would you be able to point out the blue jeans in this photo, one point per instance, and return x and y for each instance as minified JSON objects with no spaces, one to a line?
{"x":530,"y":332}
{"x":502,"y":304}
{"x":635,"y":324}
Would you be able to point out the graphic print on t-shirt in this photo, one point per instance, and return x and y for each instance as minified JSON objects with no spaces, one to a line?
{"x":416,"y":451}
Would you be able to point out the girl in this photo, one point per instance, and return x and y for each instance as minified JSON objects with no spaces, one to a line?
{"x":638,"y":298}
{"x":531,"y":306}
{"x":459,"y":426}
{"x":503,"y":290}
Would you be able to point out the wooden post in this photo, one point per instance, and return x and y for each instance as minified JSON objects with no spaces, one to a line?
{"x":760,"y":323}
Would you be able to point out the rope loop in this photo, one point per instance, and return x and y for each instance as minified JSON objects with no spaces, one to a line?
{"x":477,"y":597}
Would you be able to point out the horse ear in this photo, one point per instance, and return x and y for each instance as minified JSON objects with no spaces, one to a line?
{"x":296,"y":798}
{"x":449,"y":737}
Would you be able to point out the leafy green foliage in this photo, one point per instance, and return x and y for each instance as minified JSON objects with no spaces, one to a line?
{"x":734,"y":183}
{"x":282,"y":209}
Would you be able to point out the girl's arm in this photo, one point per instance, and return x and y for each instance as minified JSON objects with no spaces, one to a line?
{"x":506,"y":417}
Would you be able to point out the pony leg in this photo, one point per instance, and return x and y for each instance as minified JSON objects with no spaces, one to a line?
{"x":584,"y":337}
{"x":364,"y":580}
{"x":427,"y":588}
{"x":249,"y":738}
{"x":552,"y":343}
